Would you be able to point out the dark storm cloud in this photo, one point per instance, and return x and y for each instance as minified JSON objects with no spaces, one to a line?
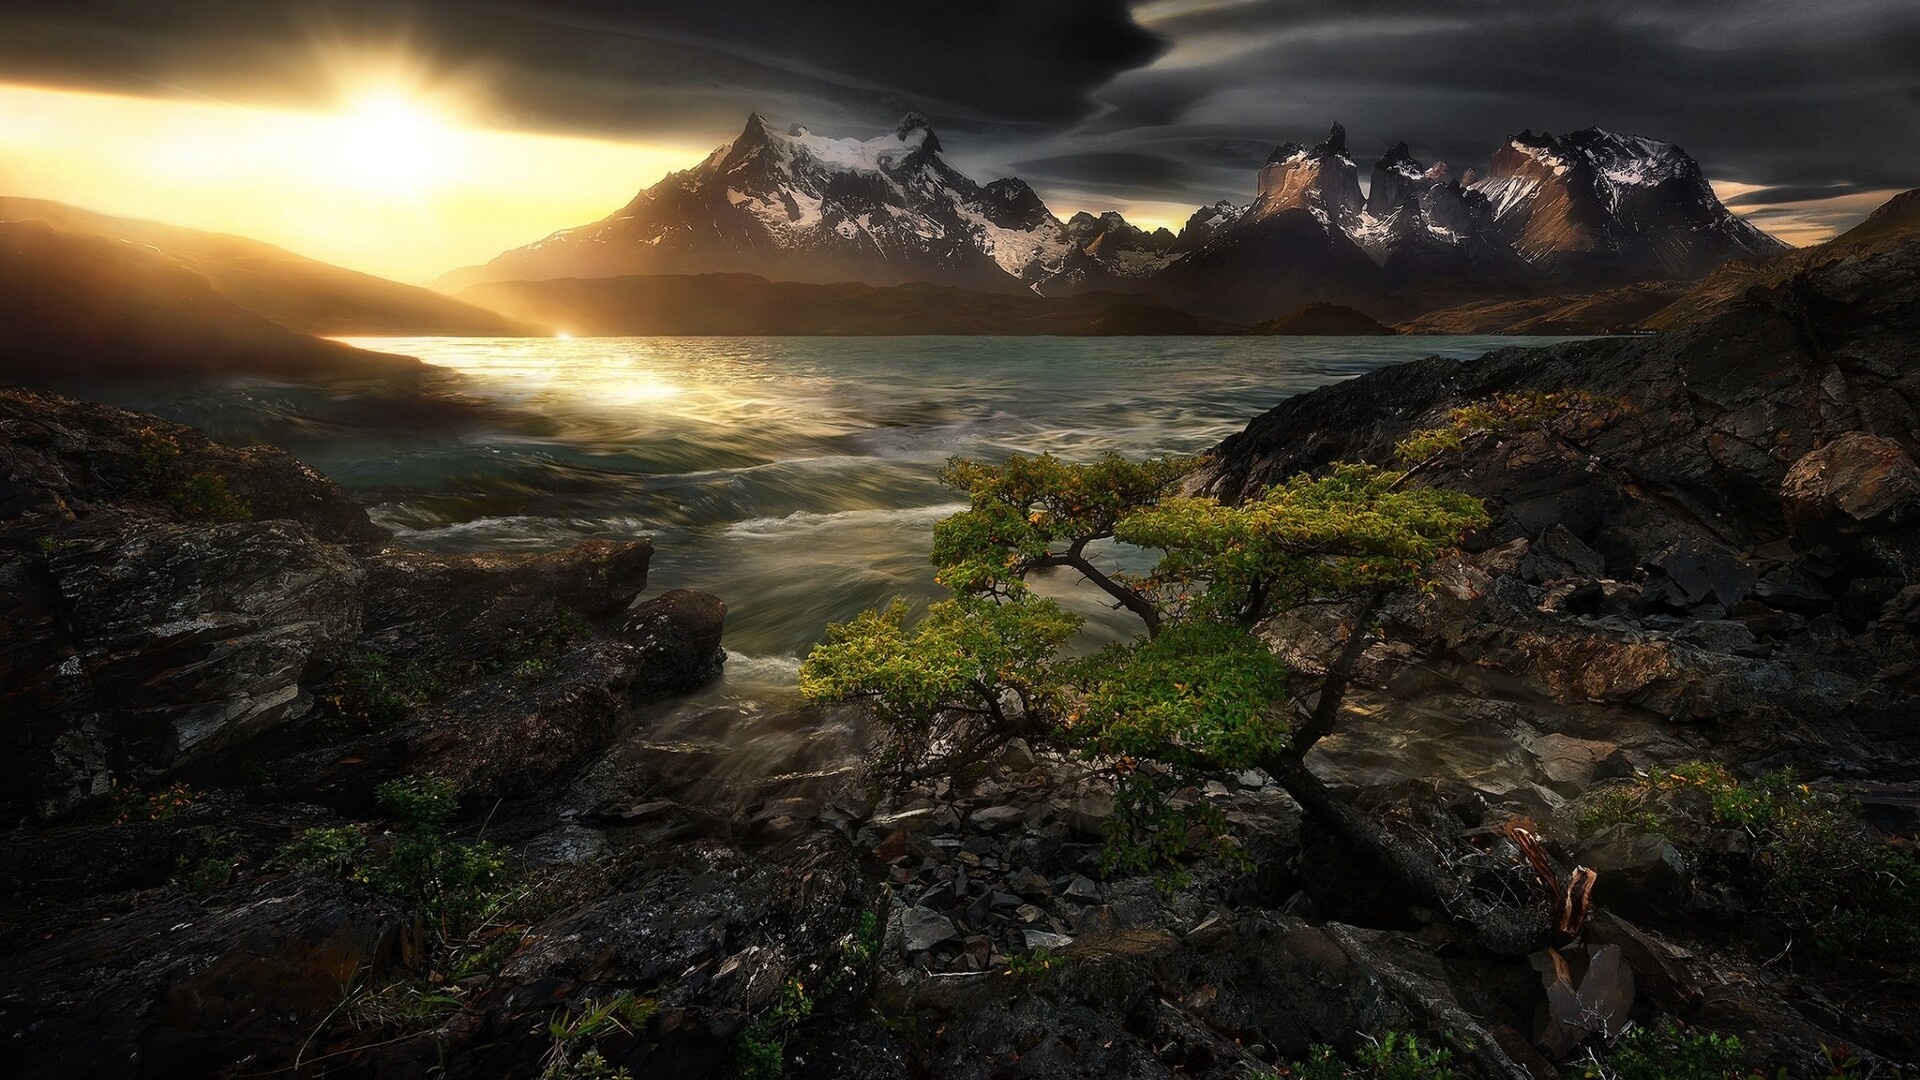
{"x":1118,"y":170}
{"x":1772,"y":92}
{"x":1178,"y":99}
{"x":1793,"y":193}
{"x":607,"y":67}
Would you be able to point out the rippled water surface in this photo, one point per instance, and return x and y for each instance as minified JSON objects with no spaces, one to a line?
{"x":794,"y":477}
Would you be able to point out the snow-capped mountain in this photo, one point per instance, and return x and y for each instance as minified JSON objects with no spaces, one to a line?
{"x":1322,"y":180}
{"x":1596,"y":201}
{"x":1105,"y":252}
{"x":1591,"y":205}
{"x":803,"y":207}
{"x":796,"y":206}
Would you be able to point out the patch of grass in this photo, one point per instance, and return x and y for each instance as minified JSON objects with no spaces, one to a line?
{"x":1667,"y":1051}
{"x":1813,"y":863}
{"x":575,"y":1054}
{"x":205,"y":496}
{"x":1033,"y":964}
{"x":1500,"y":414}
{"x":211,"y":867}
{"x":408,"y":1005}
{"x":455,"y":885}
{"x":373,"y":691}
{"x":760,"y":1052}
{"x":1394,"y":1056}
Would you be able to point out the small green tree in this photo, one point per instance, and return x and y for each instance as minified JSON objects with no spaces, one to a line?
{"x":1196,"y":690}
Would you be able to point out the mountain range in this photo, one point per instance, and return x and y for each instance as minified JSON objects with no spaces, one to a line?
{"x":1585,"y":210}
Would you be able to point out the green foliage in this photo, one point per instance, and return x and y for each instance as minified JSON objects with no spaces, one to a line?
{"x":1200,"y":695}
{"x":1198,"y":690}
{"x":1812,"y":860}
{"x":407,"y":1005}
{"x":205,"y":495}
{"x":532,"y":656}
{"x":965,"y":654}
{"x":372,"y":690}
{"x":858,"y":950}
{"x":420,"y":803}
{"x":1500,"y":414}
{"x":455,"y":885}
{"x":202,"y":494}
{"x":1394,"y":1056}
{"x":155,"y":454}
{"x":760,"y":1052}
{"x":1034,"y":964}
{"x":335,"y":850}
{"x":1668,"y":1051}
{"x":575,"y":1054}
{"x":211,"y":867}
{"x":1021,"y":513}
{"x":1353,"y":529}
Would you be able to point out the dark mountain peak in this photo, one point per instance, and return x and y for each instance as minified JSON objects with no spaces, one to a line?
{"x":1396,"y":155}
{"x":757,"y":129}
{"x":1012,"y":203}
{"x":1335,"y":144}
{"x":914,"y":123}
{"x":1284,"y":152}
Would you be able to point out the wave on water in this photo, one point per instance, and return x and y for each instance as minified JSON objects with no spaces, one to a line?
{"x":806,"y":520}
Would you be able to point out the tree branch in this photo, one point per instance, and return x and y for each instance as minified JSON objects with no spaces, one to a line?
{"x":1333,"y":688}
{"x":1075,"y":557}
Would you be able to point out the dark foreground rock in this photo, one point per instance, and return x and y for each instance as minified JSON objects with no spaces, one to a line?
{"x":201,"y":643}
{"x":1701,"y":549}
{"x":1710,"y":527}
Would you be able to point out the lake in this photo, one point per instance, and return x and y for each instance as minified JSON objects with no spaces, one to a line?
{"x":794,"y":477}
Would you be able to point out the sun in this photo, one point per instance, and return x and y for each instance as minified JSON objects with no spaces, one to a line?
{"x":389,"y":142}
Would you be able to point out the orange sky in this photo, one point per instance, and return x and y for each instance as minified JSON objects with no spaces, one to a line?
{"x":391,"y":184}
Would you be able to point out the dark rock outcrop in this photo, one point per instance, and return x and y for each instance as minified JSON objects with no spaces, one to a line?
{"x":192,"y":633}
{"x":164,"y":989}
{"x":1702,"y":526}
{"x":169,"y":600}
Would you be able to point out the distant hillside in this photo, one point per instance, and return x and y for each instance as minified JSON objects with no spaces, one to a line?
{"x":78,"y":305}
{"x":749,"y":305}
{"x":299,"y":294}
{"x":1896,"y":221}
{"x":1322,"y":320}
{"x":1610,"y":311}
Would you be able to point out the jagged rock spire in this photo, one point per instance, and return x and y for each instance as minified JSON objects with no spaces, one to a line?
{"x":1335,"y":142}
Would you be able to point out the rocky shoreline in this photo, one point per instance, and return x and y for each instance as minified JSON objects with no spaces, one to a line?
{"x":1703,"y":551}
